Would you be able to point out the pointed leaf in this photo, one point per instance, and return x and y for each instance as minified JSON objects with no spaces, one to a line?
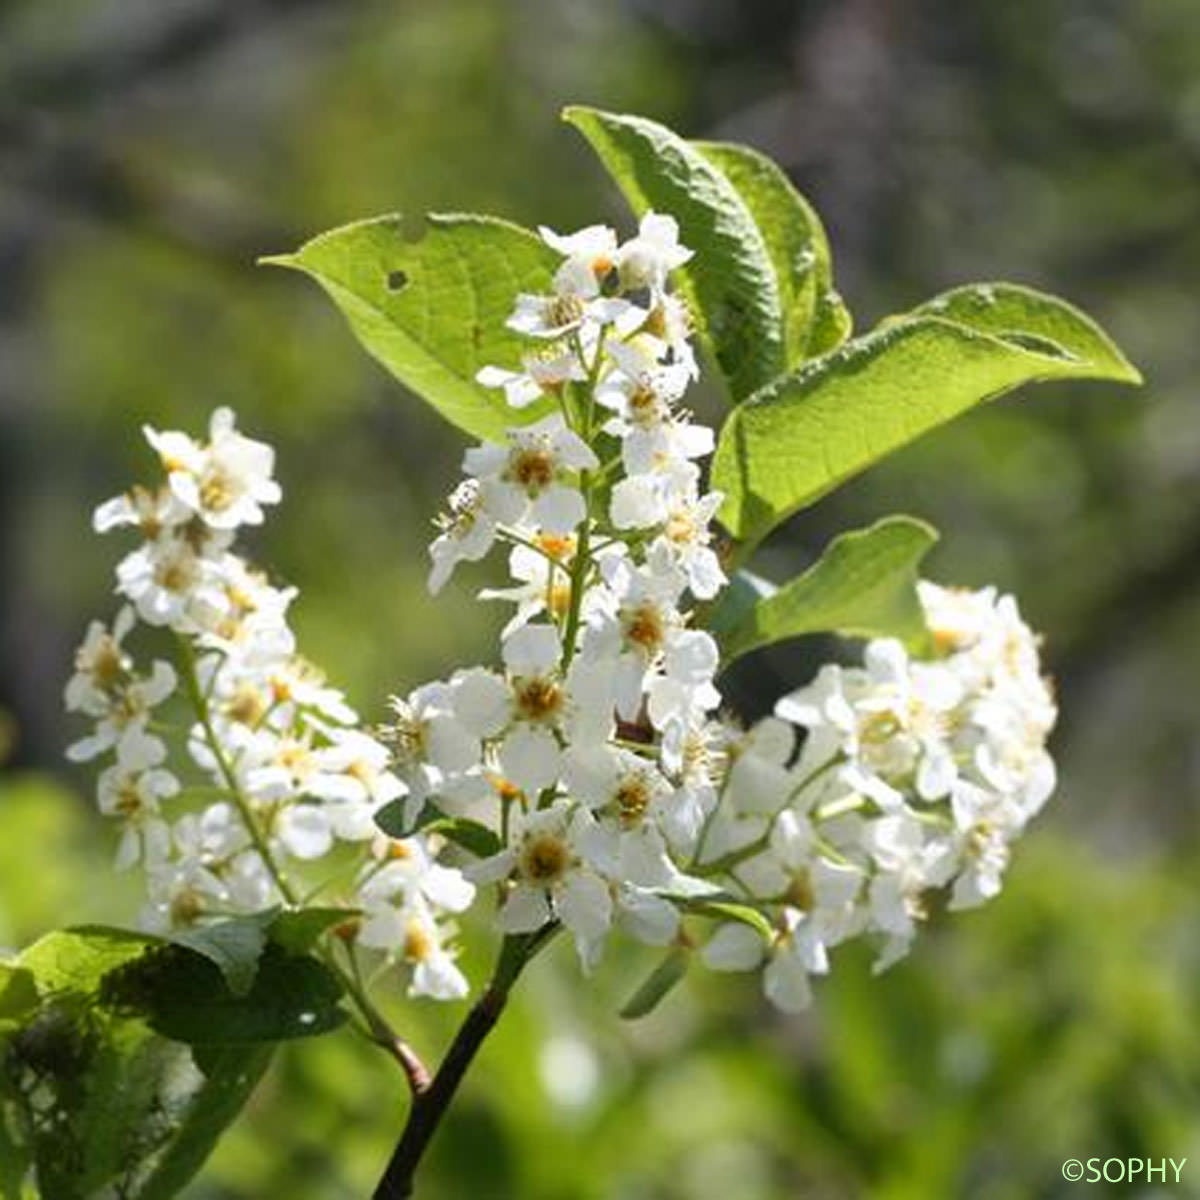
{"x":657,"y":984}
{"x":234,"y":946}
{"x":808,"y":432}
{"x":730,"y":283}
{"x":432,"y":308}
{"x":864,"y":585}
{"x":1034,"y":319}
{"x":462,"y":831}
{"x":814,"y":317}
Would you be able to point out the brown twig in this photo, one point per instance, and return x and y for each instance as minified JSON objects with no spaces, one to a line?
{"x":432,"y":1101}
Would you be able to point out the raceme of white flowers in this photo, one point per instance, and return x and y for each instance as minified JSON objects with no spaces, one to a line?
{"x":592,"y":751}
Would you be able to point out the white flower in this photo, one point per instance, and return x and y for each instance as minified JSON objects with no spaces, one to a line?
{"x":529,"y":709}
{"x":646,"y":260}
{"x":170,"y":583}
{"x":468,"y":532}
{"x":687,"y":533}
{"x":543,"y":374}
{"x":594,"y":248}
{"x":123,"y":724}
{"x":101,"y":665}
{"x":409,"y":931}
{"x":430,"y":744}
{"x":224,"y":483}
{"x":150,"y":511}
{"x":531,"y":479}
{"x":133,"y":796}
{"x":552,"y":876}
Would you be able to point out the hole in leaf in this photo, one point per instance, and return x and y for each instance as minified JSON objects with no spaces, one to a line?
{"x":397,"y":281}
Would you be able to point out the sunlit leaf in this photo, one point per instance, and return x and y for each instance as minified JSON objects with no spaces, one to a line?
{"x":806,"y":433}
{"x":430,"y":303}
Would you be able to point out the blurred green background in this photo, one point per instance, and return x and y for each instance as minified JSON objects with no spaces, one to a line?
{"x":151,"y":149}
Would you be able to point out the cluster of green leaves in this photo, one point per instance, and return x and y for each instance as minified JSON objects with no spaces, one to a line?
{"x":811,"y":406}
{"x":124,"y":1056}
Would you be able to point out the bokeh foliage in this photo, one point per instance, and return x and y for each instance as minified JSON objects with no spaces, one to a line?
{"x":149,"y":153}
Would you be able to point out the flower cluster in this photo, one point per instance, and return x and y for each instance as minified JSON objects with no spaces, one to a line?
{"x":285,"y":771}
{"x":594,"y":755}
{"x":914,"y":776}
{"x":582,"y":754}
{"x":589,"y":771}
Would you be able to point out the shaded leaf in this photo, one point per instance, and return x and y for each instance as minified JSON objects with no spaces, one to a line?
{"x":18,"y":993}
{"x":233,"y":945}
{"x":462,"y":831}
{"x":184,"y":997}
{"x":864,"y":585}
{"x":230,"y":1075}
{"x":297,"y":931}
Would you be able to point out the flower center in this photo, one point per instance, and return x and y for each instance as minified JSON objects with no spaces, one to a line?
{"x":564,"y":310}
{"x":217,"y":490}
{"x":633,"y":798}
{"x":532,"y":467}
{"x":545,"y":858}
{"x":247,"y":705}
{"x":106,"y":666}
{"x":800,"y":893}
{"x":418,"y":944}
{"x":558,"y":546}
{"x":645,"y":627}
{"x":538,"y":697}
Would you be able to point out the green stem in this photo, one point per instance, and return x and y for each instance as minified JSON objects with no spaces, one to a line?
{"x":199,"y":701}
{"x":381,"y":1032}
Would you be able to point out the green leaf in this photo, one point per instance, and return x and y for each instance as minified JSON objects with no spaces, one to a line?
{"x":814,"y":317}
{"x":298,"y":931}
{"x":1035,"y":320}
{"x":470,"y":835}
{"x":731,"y":283}
{"x":18,"y":994}
{"x":234,"y":946}
{"x":462,"y":831}
{"x":184,"y":997}
{"x":731,"y":910}
{"x":657,"y":984}
{"x":123,"y":1107}
{"x":230,"y":1075}
{"x":808,"y":432}
{"x":432,"y":308}
{"x":78,"y":959}
{"x":864,"y":585}
{"x":736,"y":603}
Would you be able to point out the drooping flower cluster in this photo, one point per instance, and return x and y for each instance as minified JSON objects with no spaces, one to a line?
{"x":914,"y":776}
{"x":285,"y":771}
{"x":588,"y":771}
